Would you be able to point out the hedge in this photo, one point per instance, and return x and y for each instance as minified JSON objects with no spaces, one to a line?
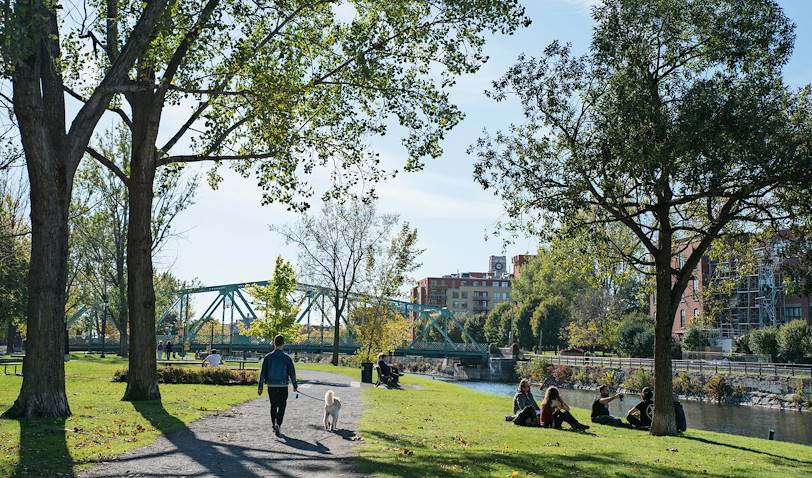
{"x":205,"y":376}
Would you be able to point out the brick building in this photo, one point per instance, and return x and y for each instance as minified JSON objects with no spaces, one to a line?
{"x":758,"y":300}
{"x":471,"y":292}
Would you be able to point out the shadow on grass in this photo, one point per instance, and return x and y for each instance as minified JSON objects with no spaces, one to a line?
{"x":43,"y":449}
{"x":750,"y":450}
{"x":408,"y":459}
{"x":197,"y":456}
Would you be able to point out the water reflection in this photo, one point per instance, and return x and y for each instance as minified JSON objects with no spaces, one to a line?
{"x":789,"y":426}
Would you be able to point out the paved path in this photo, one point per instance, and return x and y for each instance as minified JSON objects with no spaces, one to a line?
{"x":240,"y":442}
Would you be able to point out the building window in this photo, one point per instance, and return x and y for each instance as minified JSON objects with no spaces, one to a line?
{"x":695,"y":287}
{"x":680,"y":261}
{"x":792,"y":312}
{"x":455,"y":295}
{"x":476,"y":283}
{"x":464,"y":294}
{"x":505,"y":284}
{"x":696,"y":313}
{"x":682,"y":318}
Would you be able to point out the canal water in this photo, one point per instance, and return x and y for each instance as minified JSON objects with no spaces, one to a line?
{"x":791,"y":426}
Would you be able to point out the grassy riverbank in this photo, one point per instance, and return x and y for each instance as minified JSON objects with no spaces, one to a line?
{"x":432,"y":428}
{"x":102,"y":425}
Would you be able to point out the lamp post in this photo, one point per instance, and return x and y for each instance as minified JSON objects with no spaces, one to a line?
{"x":104,"y":321}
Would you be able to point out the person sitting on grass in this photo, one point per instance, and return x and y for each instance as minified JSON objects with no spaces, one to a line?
{"x":525,"y":408}
{"x":554,"y":412}
{"x":641,"y":414}
{"x":600,"y":412}
{"x":214,"y":359}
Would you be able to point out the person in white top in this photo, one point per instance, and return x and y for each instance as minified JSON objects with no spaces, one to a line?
{"x":214,"y":359}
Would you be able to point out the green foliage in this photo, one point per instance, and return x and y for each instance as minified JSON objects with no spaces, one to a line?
{"x":548,"y":319}
{"x":202,"y":375}
{"x":743,"y":344}
{"x":378,"y":329}
{"x":636,"y":336}
{"x":697,"y":336}
{"x":498,"y":323}
{"x":278,"y":313}
{"x":794,"y":341}
{"x":14,"y":257}
{"x":717,"y":388}
{"x":536,"y":370}
{"x":684,"y":384}
{"x":474,"y":327}
{"x":765,"y":341}
{"x":638,"y":379}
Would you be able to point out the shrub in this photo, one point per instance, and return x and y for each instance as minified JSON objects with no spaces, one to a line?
{"x":717,"y":388}
{"x":606,"y":377}
{"x":639,"y":379}
{"x":684,"y":384}
{"x":205,"y":376}
{"x":765,"y":341}
{"x":352,"y":361}
{"x":561,"y":373}
{"x":793,"y":341}
{"x":537,"y":370}
{"x":581,"y":375}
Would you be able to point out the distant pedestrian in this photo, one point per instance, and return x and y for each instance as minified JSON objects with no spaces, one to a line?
{"x":160,"y":349}
{"x":277,"y":369}
{"x":168,"y":349}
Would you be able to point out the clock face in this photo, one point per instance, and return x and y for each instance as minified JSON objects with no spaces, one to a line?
{"x":498,"y":266}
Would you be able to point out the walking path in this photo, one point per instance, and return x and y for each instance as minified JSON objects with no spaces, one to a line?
{"x":240,"y":442}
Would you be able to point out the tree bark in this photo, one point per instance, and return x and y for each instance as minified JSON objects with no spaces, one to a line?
{"x":142,"y":380}
{"x":43,"y":388}
{"x":664,"y":422}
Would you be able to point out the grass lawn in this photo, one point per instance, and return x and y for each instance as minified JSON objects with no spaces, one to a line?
{"x":102,"y":425}
{"x":432,"y":428}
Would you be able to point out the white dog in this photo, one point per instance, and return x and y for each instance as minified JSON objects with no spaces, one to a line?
{"x":332,"y":406}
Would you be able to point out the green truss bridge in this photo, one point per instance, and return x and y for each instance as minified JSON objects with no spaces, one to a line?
{"x":231,"y":304}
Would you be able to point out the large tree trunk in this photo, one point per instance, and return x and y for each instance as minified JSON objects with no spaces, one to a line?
{"x":43,"y":388}
{"x":664,"y":422}
{"x":142,"y":380}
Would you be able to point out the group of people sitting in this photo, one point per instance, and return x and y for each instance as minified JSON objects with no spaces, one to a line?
{"x":554,"y":411}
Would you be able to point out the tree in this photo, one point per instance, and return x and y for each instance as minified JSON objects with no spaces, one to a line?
{"x":522,"y":328}
{"x":498,"y":323}
{"x":548,"y":321}
{"x":14,"y":259}
{"x":675,"y":124}
{"x":474,"y":328}
{"x":794,"y":341}
{"x":278,"y":312}
{"x":280,"y":88}
{"x":378,"y":329}
{"x":100,"y":229}
{"x":32,"y":58}
{"x":340,"y":248}
{"x":764,"y":341}
{"x":636,"y":336}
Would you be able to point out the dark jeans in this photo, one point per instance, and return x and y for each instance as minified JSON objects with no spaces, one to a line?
{"x":279,"y":399}
{"x":560,"y":417}
{"x":636,"y":423}
{"x":526,"y":417}
{"x":607,"y":420}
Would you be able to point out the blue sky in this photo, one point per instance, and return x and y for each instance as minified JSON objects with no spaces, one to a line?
{"x":225,"y":235}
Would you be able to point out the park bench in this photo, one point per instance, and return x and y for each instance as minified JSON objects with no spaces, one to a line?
{"x":390,"y":381}
{"x":16,"y":365}
{"x":178,"y":362}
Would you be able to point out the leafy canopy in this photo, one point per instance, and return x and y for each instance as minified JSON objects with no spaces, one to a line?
{"x":278,"y":312}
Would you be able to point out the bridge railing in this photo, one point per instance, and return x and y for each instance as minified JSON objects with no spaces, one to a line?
{"x":715,"y":367}
{"x":455,"y":347}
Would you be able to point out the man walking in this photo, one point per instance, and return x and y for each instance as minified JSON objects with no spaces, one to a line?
{"x":277,"y":368}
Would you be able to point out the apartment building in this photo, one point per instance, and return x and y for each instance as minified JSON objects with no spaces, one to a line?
{"x":467,"y":292}
{"x":758,"y":299}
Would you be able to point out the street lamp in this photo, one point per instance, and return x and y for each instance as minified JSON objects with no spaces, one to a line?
{"x":104,"y":321}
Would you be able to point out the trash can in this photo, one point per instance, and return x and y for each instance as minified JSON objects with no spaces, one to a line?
{"x":366,"y":372}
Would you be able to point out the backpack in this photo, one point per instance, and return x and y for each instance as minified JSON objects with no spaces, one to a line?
{"x":679,"y":413}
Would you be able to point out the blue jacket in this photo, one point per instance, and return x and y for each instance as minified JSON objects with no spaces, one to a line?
{"x":277,"y":367}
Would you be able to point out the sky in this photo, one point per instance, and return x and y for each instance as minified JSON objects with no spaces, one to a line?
{"x":225,"y":237}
